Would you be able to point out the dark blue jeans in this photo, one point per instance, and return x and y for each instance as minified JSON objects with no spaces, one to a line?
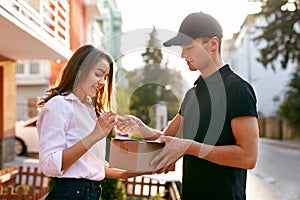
{"x":72,"y":189}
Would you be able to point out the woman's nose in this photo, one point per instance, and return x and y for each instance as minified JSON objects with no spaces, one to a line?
{"x":101,"y":80}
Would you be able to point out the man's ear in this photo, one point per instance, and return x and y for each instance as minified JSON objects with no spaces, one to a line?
{"x":214,"y":43}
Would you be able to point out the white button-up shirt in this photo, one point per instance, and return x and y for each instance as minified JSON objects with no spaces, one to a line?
{"x":63,"y":121}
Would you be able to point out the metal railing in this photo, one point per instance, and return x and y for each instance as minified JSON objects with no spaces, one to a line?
{"x":49,"y":16}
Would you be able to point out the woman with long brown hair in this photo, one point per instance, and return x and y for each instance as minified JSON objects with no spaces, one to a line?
{"x":76,"y":116}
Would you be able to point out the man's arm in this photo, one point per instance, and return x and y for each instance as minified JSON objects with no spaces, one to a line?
{"x":130,"y":123}
{"x":241,"y":155}
{"x":175,"y":127}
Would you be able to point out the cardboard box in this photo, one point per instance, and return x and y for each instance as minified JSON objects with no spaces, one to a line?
{"x":133,"y":155}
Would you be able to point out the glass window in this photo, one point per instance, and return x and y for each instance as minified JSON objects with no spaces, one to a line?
{"x":20,"y":68}
{"x":34,"y":68}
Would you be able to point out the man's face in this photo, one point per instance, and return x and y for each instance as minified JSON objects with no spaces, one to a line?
{"x":196,"y":54}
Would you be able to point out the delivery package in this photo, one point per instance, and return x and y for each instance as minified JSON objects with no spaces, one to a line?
{"x":133,"y":155}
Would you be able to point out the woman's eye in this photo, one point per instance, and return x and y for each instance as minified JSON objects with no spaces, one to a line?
{"x":97,"y":75}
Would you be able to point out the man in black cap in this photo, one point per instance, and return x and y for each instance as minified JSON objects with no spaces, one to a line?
{"x":216,"y":129}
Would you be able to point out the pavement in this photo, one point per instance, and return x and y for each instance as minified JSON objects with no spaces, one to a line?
{"x":256,"y":188}
{"x":292,"y":144}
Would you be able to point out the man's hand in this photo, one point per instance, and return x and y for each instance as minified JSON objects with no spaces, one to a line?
{"x":167,"y":169}
{"x":130,"y":124}
{"x":174,"y":149}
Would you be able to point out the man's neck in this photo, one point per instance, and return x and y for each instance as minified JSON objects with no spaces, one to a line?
{"x":212,"y":68}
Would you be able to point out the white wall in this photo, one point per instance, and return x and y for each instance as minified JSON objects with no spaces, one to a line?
{"x":31,"y":86}
{"x":268,"y":84}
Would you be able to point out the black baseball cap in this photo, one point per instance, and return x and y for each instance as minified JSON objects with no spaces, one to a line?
{"x":195,"y":25}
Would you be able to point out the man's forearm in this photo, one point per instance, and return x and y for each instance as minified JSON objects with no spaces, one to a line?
{"x":148,"y":133}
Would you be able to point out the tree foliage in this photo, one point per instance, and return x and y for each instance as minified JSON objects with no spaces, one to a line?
{"x":113,"y":189}
{"x":290,"y":107}
{"x":282,"y":36}
{"x":155,"y":82}
{"x":282,"y":32}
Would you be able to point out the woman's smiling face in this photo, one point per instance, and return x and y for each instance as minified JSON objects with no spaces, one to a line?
{"x":94,"y":80}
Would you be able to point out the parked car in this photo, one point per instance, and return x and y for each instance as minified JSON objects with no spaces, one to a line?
{"x":26,"y":139}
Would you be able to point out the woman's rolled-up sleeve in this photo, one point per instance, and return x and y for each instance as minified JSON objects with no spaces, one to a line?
{"x":52,"y":126}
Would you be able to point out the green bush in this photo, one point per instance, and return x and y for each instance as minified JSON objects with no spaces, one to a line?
{"x":289,"y":109}
{"x":113,"y":189}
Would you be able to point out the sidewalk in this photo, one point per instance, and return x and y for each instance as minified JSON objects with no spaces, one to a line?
{"x":292,"y":144}
{"x":18,"y":161}
{"x":257,"y":189}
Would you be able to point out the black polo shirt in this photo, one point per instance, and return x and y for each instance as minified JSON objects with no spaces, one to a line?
{"x":208,"y":109}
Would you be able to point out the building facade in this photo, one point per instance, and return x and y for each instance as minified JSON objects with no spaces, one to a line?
{"x":37,"y":38}
{"x":242,"y":53}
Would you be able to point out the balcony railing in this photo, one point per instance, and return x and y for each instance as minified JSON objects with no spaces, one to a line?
{"x":49,"y":16}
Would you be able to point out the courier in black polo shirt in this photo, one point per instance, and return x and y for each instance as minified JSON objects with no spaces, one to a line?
{"x":216,"y":129}
{"x":219,"y":117}
{"x":207,"y":110}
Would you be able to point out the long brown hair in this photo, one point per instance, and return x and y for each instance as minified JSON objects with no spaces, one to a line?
{"x":84,"y":58}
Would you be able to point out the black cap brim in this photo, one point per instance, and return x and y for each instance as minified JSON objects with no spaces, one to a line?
{"x":179,"y":40}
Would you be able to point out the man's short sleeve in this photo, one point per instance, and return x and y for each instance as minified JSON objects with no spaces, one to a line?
{"x":242,"y":100}
{"x":189,"y":95}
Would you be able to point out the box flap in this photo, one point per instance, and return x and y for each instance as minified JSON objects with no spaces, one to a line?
{"x":146,"y":141}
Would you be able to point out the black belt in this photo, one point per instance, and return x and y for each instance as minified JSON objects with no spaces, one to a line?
{"x":83,"y":181}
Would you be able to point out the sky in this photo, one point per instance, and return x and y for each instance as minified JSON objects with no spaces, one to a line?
{"x":168,"y":15}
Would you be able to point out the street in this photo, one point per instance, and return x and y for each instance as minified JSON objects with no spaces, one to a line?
{"x":276,"y":175}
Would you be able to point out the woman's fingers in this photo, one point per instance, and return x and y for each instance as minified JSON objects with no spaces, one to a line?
{"x":107,"y":121}
{"x":109,"y":117}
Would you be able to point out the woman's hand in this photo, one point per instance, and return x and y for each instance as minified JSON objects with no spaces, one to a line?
{"x":106,"y":122}
{"x":123,"y":174}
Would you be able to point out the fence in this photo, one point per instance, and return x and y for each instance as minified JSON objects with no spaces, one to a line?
{"x":143,"y":187}
{"x":20,"y":183}
{"x":27,"y":182}
{"x":276,"y":128}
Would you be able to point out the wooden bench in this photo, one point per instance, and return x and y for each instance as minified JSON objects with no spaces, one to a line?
{"x":19,"y":183}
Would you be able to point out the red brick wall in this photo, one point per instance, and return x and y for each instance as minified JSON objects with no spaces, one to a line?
{"x":77,"y":34}
{"x":77,"y":24}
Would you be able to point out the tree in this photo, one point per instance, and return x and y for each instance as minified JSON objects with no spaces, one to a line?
{"x":156,"y":82}
{"x":290,"y":107}
{"x":282,"y":35}
{"x":282,"y":32}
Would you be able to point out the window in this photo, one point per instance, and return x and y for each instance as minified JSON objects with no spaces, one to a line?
{"x":34,"y":68}
{"x":20,"y":68}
